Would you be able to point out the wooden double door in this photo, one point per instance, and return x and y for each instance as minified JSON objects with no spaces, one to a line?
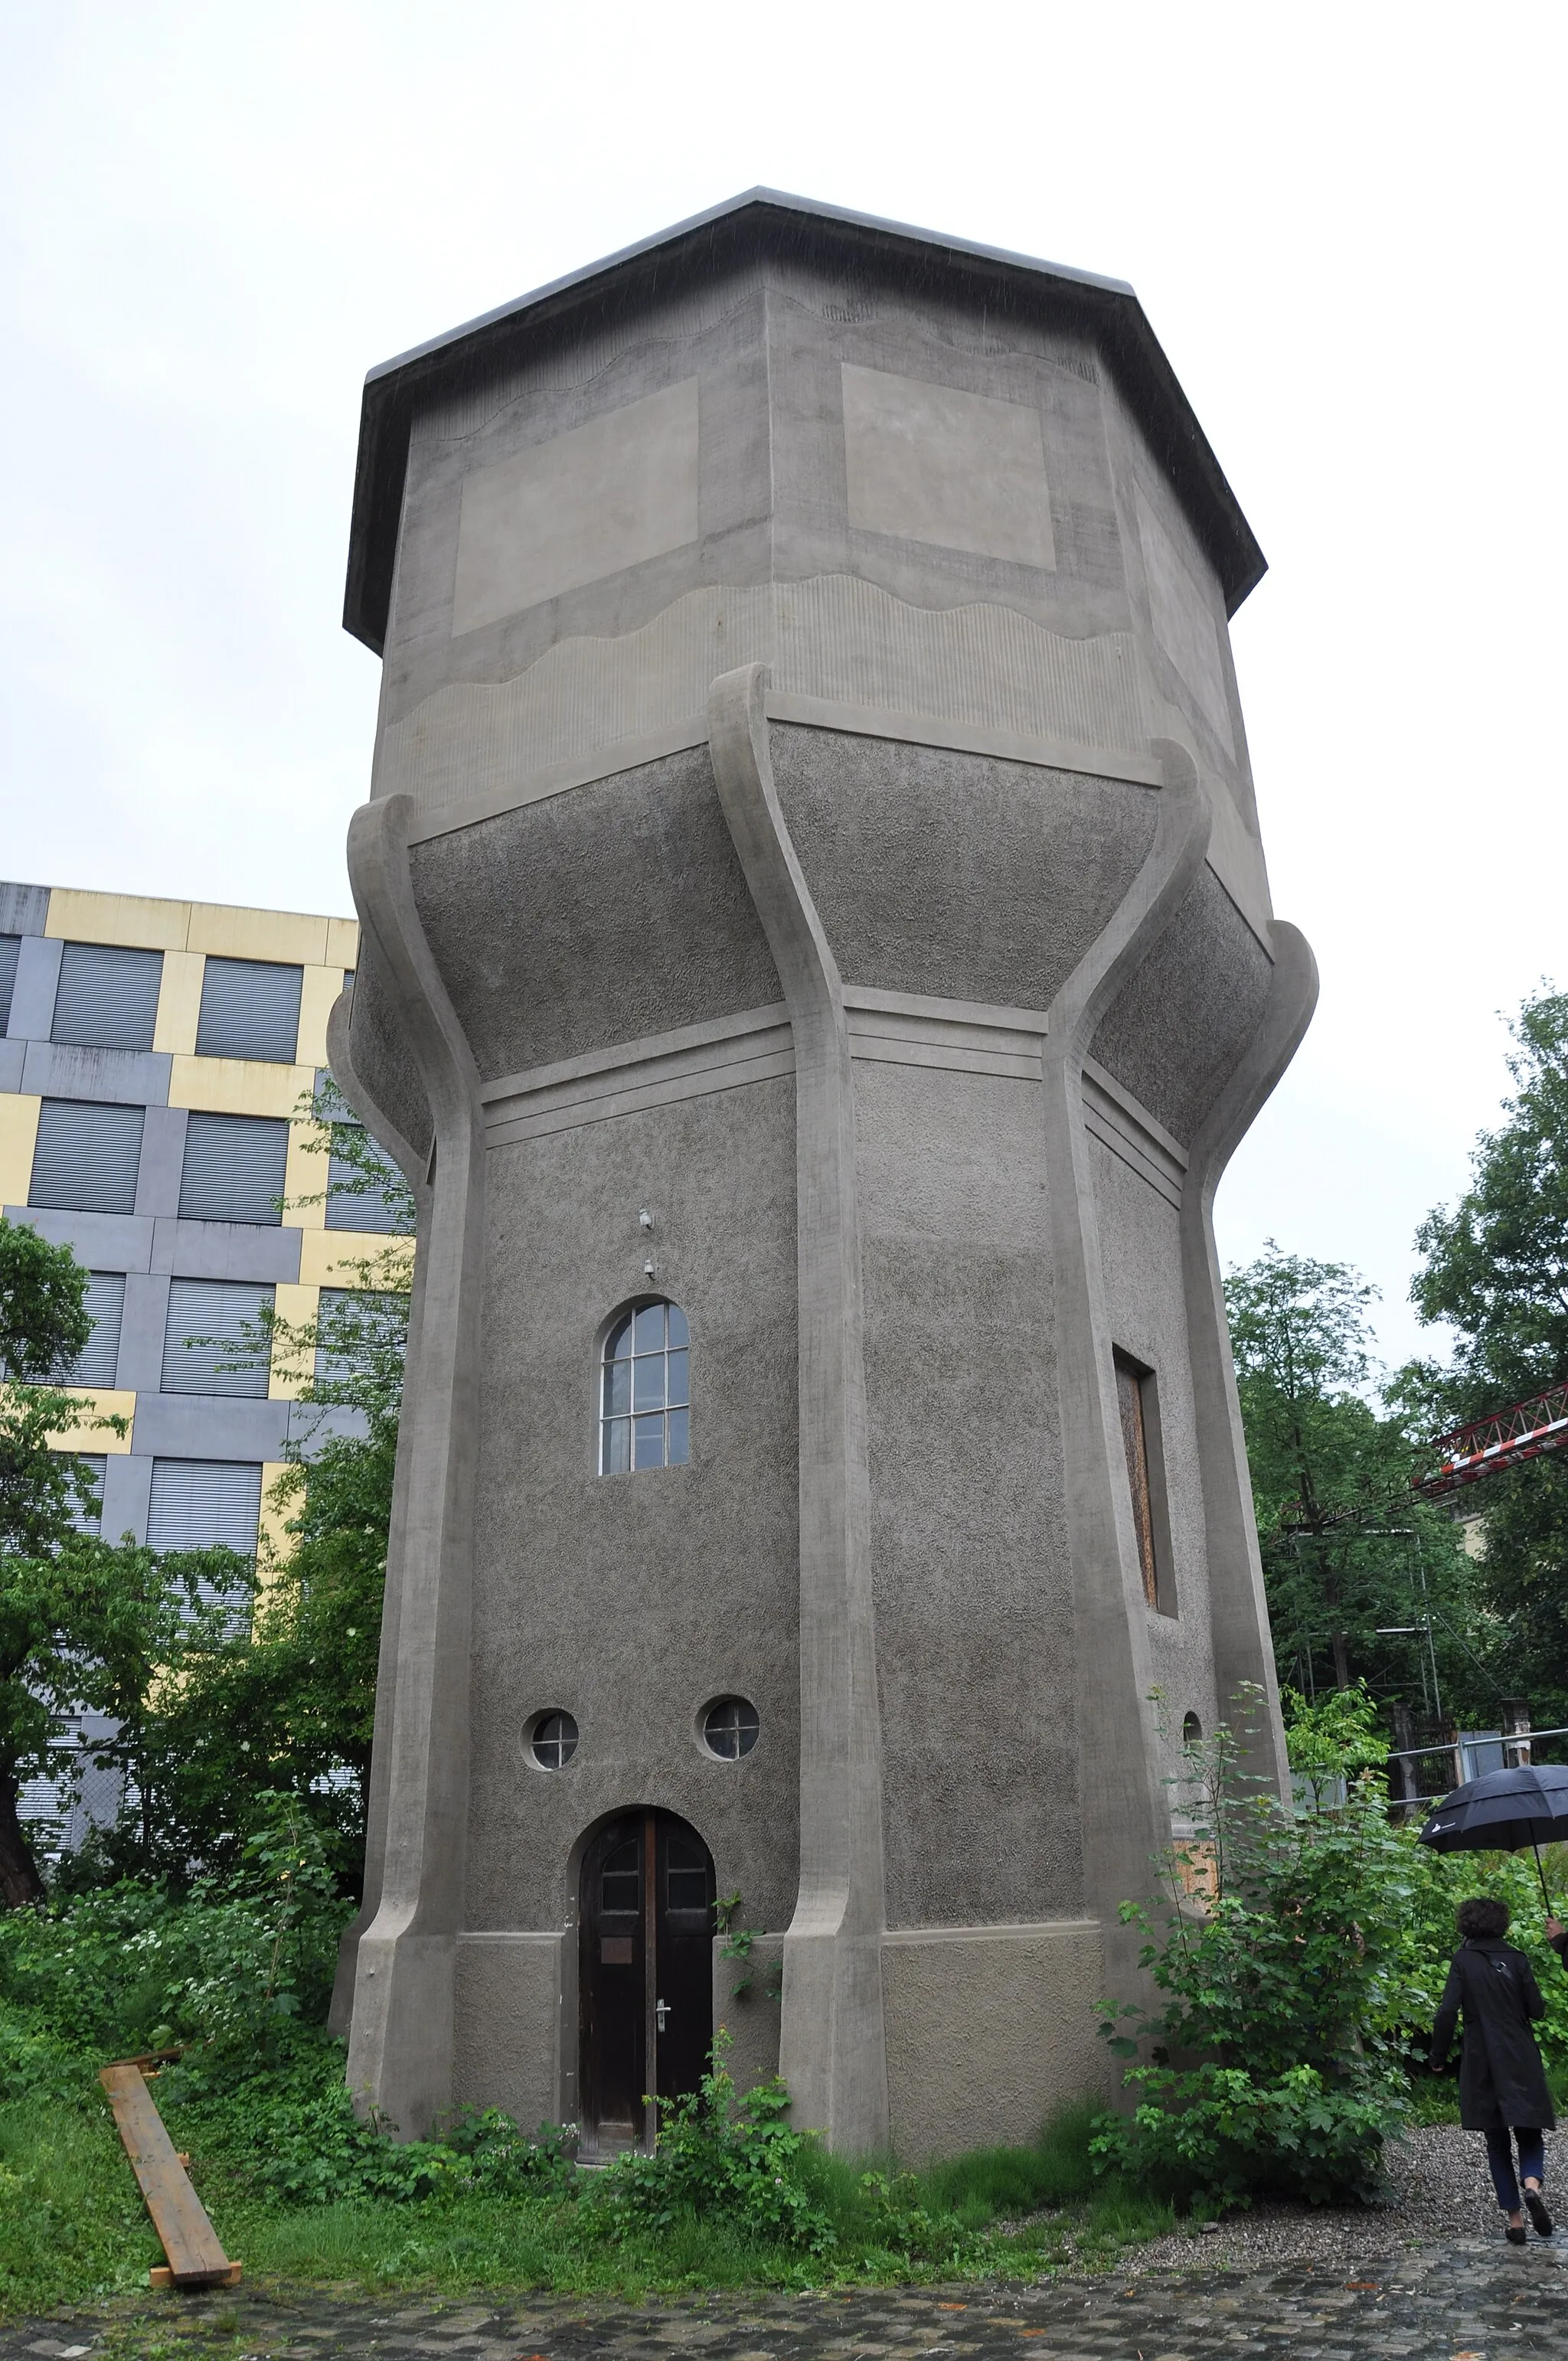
{"x":645,"y":1931}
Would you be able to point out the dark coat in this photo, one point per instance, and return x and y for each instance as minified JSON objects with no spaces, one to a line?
{"x":1501,"y":2080}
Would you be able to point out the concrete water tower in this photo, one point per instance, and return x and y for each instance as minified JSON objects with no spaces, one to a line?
{"x":817,"y":962}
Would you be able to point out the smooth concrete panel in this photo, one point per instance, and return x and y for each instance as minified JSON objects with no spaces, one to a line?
{"x":162,"y":1161}
{"x":990,"y":2031}
{"x":591,"y":502}
{"x":127,"y":1491}
{"x":208,"y":1426}
{"x":142,"y":1327}
{"x":102,"y":1241}
{"x":934,"y":463}
{"x":225,"y":1250}
{"x":32,"y":994}
{"x":508,"y":2011}
{"x":130,"y":1077}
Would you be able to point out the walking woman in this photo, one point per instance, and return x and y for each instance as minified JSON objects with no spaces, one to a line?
{"x":1502,"y":2083}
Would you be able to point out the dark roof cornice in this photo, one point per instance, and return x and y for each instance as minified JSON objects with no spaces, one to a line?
{"x":1108,"y":306}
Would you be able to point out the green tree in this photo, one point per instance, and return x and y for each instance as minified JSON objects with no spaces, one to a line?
{"x":286,"y":1704}
{"x":1494,"y":1268}
{"x":1347,"y":1550}
{"x":82,"y":1623}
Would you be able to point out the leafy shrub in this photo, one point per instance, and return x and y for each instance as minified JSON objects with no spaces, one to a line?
{"x":1217,"y":2134}
{"x":719,"y":2154}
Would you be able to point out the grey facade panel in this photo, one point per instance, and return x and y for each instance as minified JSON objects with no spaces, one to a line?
{"x":107,"y":997}
{"x":87,"y":1156}
{"x":105,"y":1302}
{"x":33,"y":994}
{"x":234,"y":1169}
{"x":12,"y":1058}
{"x":200,"y":1503}
{"x":210,"y":1340}
{"x":225,"y":1250}
{"x":127,"y":1480}
{"x":250,"y":1008}
{"x":103,"y":1241}
{"x":9,"y":947}
{"x":162,"y":1160}
{"x":142,"y":1329}
{"x":132,"y":1077}
{"x":191,"y":1426}
{"x":310,"y":1425}
{"x":24,"y":909}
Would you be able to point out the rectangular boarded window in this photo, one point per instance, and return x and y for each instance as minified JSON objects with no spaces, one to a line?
{"x":107,"y":997}
{"x":1134,"y":1384}
{"x":213,"y":1341}
{"x":202,"y":1503}
{"x":250,"y":1008}
{"x":106,"y":1303}
{"x":10,"y":951}
{"x":234,"y":1169}
{"x":87,"y":1156}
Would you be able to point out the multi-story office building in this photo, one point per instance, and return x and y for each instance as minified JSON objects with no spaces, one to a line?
{"x":154,"y":1058}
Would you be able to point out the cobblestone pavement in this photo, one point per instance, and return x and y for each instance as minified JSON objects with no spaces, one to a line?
{"x":1465,"y":2301}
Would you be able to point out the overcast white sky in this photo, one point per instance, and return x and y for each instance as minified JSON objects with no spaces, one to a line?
{"x":1344,"y":222}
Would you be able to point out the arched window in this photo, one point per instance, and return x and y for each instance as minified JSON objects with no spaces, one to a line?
{"x":644,"y":1413}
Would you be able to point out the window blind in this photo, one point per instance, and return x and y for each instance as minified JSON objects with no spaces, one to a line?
{"x":10,"y":948}
{"x":88,"y":1517}
{"x":356,"y":1207}
{"x":250,"y":1008}
{"x":107,"y":997}
{"x":86,"y":1157}
{"x":234,"y":1167}
{"x":217,"y":1311}
{"x":106,"y":1304}
{"x":200,"y":1503}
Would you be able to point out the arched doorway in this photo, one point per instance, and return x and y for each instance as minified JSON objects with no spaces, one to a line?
{"x":644,"y":1972}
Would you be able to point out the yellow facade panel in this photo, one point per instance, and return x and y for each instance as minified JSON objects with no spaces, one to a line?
{"x":104,"y":1402}
{"x":18,"y":1137}
{"x":238,"y":1086}
{"x":135,"y":921}
{"x":332,"y":1258}
{"x":305,"y":1178}
{"x":293,"y":1307}
{"x":289,"y":936}
{"x":322,"y":987}
{"x":179,"y":1003}
{"x":342,"y":942}
{"x":275,"y":1543}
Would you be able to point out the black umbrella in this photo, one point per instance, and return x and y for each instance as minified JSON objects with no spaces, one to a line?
{"x":1503,"y":1812}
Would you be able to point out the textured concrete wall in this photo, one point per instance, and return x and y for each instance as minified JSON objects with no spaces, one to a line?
{"x":508,"y":2013}
{"x":616,"y":911}
{"x":990,"y":2031}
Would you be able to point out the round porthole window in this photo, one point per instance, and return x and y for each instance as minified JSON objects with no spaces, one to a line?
{"x":729,"y":1727}
{"x":1191,"y":1731}
{"x":554,"y":1740}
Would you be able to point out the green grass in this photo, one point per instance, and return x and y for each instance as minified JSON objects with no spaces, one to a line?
{"x":73,"y":2231}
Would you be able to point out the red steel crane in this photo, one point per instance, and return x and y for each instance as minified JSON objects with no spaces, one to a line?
{"x":1502,"y":1439}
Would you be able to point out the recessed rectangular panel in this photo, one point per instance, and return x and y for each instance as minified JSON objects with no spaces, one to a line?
{"x":931,"y":463}
{"x":1183,"y":623}
{"x":585,"y":504}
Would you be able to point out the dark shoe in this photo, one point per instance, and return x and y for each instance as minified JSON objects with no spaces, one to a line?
{"x":1535,"y":2206}
{"x":1515,"y":2238}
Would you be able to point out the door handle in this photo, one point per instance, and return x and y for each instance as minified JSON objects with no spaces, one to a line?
{"x":662,"y":2010}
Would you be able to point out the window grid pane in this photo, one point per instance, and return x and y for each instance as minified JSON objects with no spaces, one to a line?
{"x":645,"y":1374}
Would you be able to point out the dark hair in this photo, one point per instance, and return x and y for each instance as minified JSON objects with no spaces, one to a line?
{"x":1482,"y":1917}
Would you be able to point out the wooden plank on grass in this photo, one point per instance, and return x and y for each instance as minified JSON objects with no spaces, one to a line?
{"x":190,"y":2241}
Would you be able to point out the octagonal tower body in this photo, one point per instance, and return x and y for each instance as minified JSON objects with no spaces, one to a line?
{"x":811,"y":810}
